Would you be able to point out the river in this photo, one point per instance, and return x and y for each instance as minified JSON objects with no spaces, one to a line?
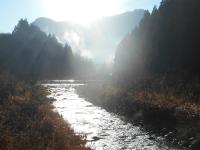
{"x":103,"y":130}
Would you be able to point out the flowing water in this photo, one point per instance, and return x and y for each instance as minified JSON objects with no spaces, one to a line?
{"x":104,"y":130}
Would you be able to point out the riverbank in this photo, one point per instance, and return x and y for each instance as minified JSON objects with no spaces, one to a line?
{"x":176,"y":120}
{"x":27,"y":119}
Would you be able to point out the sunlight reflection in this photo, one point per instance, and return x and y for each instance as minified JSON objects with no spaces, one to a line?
{"x":103,"y":130}
{"x":71,"y":81}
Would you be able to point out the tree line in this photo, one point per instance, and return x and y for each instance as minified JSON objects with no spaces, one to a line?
{"x":29,"y":53}
{"x":165,"y":42}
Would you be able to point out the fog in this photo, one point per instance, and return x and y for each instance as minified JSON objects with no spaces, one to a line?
{"x":97,"y":41}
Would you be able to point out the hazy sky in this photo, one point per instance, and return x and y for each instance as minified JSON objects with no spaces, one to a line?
{"x":79,"y":11}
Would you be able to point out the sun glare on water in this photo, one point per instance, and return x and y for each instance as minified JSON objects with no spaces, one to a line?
{"x":79,"y":11}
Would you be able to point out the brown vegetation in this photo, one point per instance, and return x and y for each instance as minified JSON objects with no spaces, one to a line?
{"x":166,"y":101}
{"x":163,"y":99}
{"x":167,"y":111}
{"x":27,"y":120}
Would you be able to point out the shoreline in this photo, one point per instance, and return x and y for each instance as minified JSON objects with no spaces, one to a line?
{"x":177,"y":127}
{"x":28,"y":121}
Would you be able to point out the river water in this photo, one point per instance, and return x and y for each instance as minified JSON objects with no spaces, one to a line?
{"x":103,"y":130}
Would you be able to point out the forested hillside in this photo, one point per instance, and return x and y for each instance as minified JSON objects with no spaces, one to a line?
{"x":29,"y":53}
{"x":165,"y":43}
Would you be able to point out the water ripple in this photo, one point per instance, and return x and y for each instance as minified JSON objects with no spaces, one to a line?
{"x":104,"y":130}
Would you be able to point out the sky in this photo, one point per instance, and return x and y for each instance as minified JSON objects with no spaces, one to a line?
{"x":78,"y":11}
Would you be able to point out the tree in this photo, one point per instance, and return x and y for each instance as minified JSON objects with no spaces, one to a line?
{"x":166,"y":41}
{"x":31,"y":54}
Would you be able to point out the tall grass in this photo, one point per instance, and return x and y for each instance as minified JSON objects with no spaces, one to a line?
{"x":28,"y":122}
{"x":161,"y":93}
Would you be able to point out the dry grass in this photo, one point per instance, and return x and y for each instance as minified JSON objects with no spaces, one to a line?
{"x":166,"y":101}
{"x":28,"y":122}
{"x":162,"y":110}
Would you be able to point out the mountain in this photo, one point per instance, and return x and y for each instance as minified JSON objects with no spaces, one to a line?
{"x":99,"y":40}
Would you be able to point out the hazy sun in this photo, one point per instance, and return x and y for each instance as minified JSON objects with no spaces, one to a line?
{"x":79,"y":11}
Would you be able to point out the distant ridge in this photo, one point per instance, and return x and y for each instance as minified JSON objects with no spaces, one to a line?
{"x":100,"y":39}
